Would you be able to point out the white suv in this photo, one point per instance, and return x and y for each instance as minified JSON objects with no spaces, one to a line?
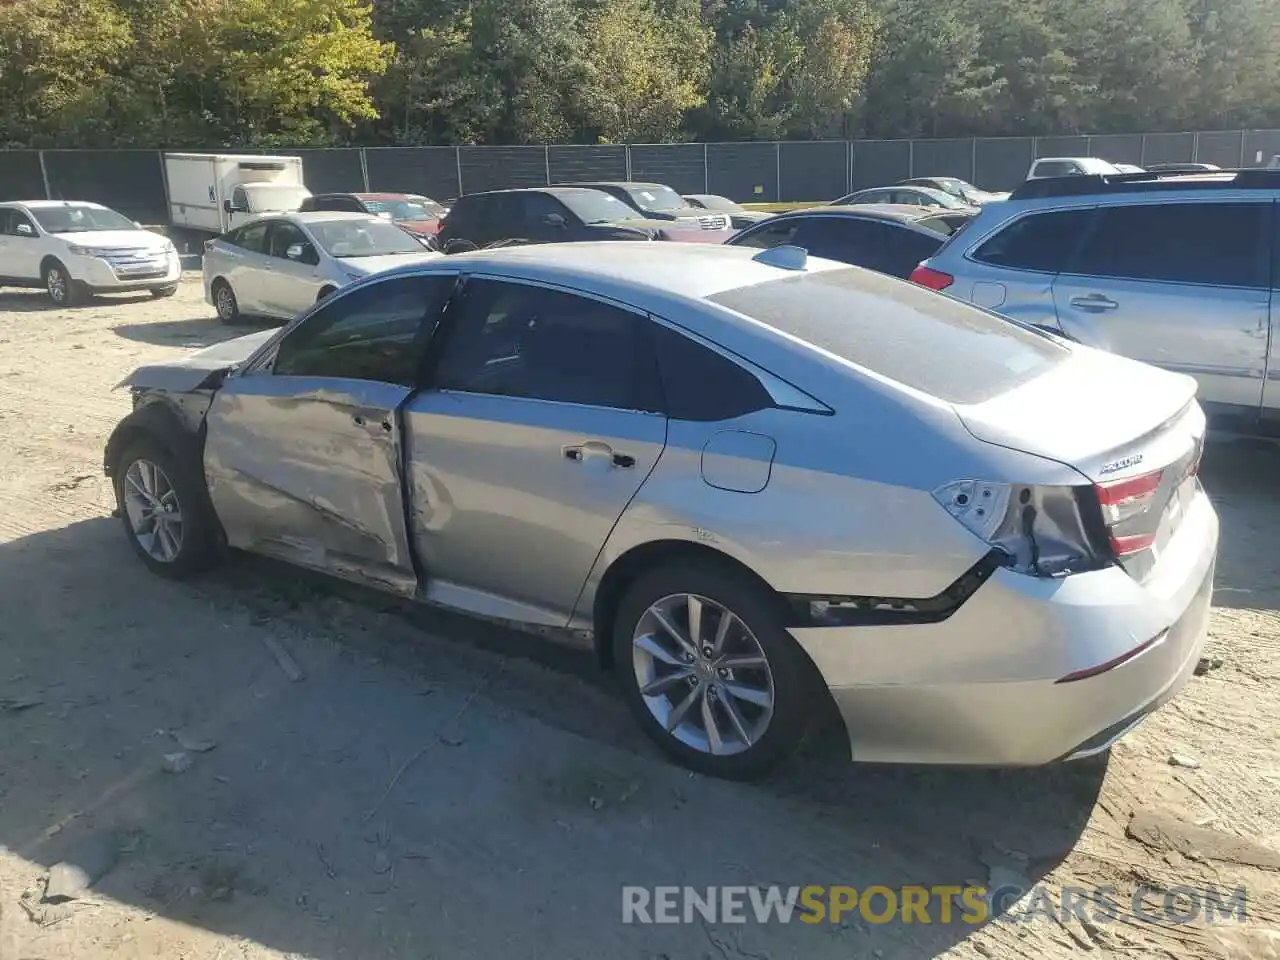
{"x":75,"y":249}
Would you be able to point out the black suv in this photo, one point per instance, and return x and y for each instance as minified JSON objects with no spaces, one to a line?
{"x":543,"y":215}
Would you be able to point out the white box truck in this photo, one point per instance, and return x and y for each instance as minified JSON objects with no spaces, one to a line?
{"x":210,"y":193}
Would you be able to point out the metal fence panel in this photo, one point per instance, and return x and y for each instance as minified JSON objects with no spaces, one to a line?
{"x":681,"y":166}
{"x":1118,"y":147}
{"x":880,"y":162}
{"x":814,"y":170}
{"x":432,"y":171}
{"x":943,"y":158}
{"x":131,"y":181}
{"x":1061,"y":147}
{"x":500,"y":168}
{"x":1260,"y":146}
{"x":1003,"y":163}
{"x":745,"y":172}
{"x":572,"y":164}
{"x":1167,"y":147}
{"x":335,"y":170}
{"x":1224,"y":149}
{"x":20,"y":176}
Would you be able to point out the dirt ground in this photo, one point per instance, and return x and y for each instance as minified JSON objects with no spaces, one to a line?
{"x":438,"y":788}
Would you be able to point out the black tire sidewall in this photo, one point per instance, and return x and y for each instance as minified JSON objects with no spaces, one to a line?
{"x":198,"y":548}
{"x":794,"y":704}
{"x":72,"y":296}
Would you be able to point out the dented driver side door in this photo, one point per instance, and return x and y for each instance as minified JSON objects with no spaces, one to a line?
{"x":303,"y":454}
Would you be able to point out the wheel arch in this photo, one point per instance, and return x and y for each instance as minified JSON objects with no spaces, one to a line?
{"x":48,"y":260}
{"x":640,"y":559}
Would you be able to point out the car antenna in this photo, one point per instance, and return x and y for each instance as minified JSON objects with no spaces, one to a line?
{"x":785,"y":256}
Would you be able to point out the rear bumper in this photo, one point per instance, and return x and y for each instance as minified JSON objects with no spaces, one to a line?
{"x":982,"y":687}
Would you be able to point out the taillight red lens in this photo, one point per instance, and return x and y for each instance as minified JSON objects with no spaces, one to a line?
{"x":933,"y":279}
{"x":1123,"y":500}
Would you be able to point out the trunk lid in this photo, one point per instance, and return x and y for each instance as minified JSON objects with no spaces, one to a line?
{"x":1135,"y":431}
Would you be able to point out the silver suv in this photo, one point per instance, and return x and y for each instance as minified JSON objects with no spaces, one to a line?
{"x":1174,"y":270}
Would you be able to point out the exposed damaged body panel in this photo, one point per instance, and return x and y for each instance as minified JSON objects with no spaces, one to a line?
{"x":201,"y":369}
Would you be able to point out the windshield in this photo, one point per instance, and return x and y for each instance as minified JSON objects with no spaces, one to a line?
{"x":656,"y":197}
{"x":275,"y":197}
{"x":79,"y":218}
{"x":596,"y":206}
{"x":939,"y":346}
{"x":406,"y":208}
{"x":362,"y":238}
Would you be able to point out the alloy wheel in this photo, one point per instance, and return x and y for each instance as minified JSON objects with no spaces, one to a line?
{"x":154,"y":513}
{"x":702,"y":674}
{"x":226,"y":302}
{"x":56,"y":281}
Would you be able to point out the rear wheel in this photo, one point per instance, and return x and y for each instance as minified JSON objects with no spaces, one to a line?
{"x":224,"y":301}
{"x":710,"y":672}
{"x":163,"y":511}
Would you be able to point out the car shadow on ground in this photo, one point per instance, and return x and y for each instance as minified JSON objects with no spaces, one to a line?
{"x":412,"y":795}
{"x":1242,"y":478}
{"x":197,"y":332}
{"x":35,"y":301}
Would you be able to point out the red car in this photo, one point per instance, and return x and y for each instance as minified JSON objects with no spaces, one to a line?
{"x":413,"y":212}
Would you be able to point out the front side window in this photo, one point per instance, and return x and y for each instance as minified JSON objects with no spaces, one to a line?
{"x":239,"y":199}
{"x":773,"y":234}
{"x":516,"y":340}
{"x":854,"y":240}
{"x":379,"y":333}
{"x":596,"y":206}
{"x":11,"y":220}
{"x":1045,"y":242}
{"x":283,"y":236}
{"x":1056,"y":168}
{"x":1222,"y":244}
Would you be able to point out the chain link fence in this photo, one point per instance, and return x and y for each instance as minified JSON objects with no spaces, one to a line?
{"x":132,"y":181}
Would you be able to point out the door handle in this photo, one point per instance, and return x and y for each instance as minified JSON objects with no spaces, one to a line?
{"x":1094,"y":302}
{"x":597,"y":448}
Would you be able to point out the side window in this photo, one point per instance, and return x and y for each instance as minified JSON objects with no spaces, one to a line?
{"x":538,"y":205}
{"x":773,"y":234}
{"x":239,"y":199}
{"x":1221,"y":244}
{"x":1042,"y":241}
{"x":13,"y":221}
{"x":908,"y":248}
{"x":516,"y":340}
{"x":1056,"y":168}
{"x":252,"y":237}
{"x":701,"y":384}
{"x":874,"y":196}
{"x":283,"y":236}
{"x":847,"y":239}
{"x":378,"y":332}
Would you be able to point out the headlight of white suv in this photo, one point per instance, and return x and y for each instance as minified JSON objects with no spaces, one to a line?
{"x":78,"y":251}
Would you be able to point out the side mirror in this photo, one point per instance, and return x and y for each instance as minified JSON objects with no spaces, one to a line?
{"x":26,"y":230}
{"x":554,"y":220}
{"x":295,"y":251}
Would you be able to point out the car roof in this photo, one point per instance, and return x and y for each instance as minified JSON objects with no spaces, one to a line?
{"x":693,"y":271}
{"x":317,"y":216}
{"x":901,"y":212}
{"x":554,"y":191}
{"x":46,"y":204}
{"x":625,"y":184}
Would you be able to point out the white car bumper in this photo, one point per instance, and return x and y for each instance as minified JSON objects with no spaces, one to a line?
{"x":105,"y":275}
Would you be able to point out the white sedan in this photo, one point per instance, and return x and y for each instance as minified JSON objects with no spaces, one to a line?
{"x":279,"y":265}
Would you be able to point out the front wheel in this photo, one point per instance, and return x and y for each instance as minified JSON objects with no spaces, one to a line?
{"x":710,"y":672}
{"x":163,"y":511}
{"x":224,"y":301}
{"x":62,"y":289}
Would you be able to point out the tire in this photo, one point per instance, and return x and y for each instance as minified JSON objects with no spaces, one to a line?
{"x":58,"y":283}
{"x":161,"y":292}
{"x":191,"y":547}
{"x":224,"y":301}
{"x":775,"y":731}
{"x":326,"y":292}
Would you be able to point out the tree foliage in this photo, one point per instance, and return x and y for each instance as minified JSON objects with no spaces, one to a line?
{"x":316,"y":72}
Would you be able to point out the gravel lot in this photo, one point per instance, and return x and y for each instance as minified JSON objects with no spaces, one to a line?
{"x":437,"y":788}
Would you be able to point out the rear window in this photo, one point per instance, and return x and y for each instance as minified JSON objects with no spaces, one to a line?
{"x":931,"y":343}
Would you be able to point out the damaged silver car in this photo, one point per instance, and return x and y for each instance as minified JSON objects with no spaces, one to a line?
{"x":763,"y":482}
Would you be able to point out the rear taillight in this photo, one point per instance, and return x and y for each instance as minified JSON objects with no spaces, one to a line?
{"x":1040,"y":530}
{"x":1123,"y":500}
{"x":931,"y":278}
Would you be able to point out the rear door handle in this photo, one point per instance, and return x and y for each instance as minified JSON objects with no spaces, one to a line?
{"x":1094,"y":302}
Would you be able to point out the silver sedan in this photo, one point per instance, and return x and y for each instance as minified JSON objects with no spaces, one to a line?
{"x":761,"y":481}
{"x":276,"y":266}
